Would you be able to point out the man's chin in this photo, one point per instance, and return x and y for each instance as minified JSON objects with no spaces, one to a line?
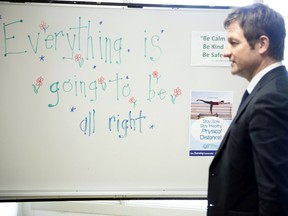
{"x":234,"y":72}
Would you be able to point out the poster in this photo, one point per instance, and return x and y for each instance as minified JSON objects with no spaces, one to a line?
{"x":207,"y":48}
{"x":211,"y":114}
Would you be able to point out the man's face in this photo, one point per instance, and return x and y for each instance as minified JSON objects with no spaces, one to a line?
{"x":244,"y":60}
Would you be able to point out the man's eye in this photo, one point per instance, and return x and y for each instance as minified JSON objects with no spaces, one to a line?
{"x":233,"y":43}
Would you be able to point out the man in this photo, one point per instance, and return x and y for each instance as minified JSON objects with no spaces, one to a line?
{"x":249,"y":173}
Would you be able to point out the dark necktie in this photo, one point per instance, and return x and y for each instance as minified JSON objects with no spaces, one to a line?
{"x":245,"y":95}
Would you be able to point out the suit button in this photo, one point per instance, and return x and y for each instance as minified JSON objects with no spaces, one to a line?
{"x":213,"y":174}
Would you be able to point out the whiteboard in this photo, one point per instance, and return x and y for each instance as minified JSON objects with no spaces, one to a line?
{"x":95,"y":102}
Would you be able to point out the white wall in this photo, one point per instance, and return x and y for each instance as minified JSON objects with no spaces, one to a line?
{"x":8,"y":209}
{"x":114,"y":208}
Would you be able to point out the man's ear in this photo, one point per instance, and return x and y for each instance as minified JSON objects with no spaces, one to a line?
{"x":263,"y":44}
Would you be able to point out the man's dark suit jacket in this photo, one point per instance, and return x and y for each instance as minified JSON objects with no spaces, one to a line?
{"x":249,"y":173}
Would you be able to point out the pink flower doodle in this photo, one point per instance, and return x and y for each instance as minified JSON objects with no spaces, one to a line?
{"x":176,"y":93}
{"x":39,"y":83}
{"x":77,"y":57}
{"x":101,"y":81}
{"x":43,"y":26}
{"x":133,"y":101}
{"x":156,"y":75}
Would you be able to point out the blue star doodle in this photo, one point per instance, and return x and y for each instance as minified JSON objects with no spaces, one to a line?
{"x":73,"y":109}
{"x":42,"y":58}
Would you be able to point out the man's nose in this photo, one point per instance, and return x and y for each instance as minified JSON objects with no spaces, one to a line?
{"x":227,"y":52}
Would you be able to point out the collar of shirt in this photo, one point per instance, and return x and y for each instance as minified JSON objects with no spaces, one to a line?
{"x":259,"y":75}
